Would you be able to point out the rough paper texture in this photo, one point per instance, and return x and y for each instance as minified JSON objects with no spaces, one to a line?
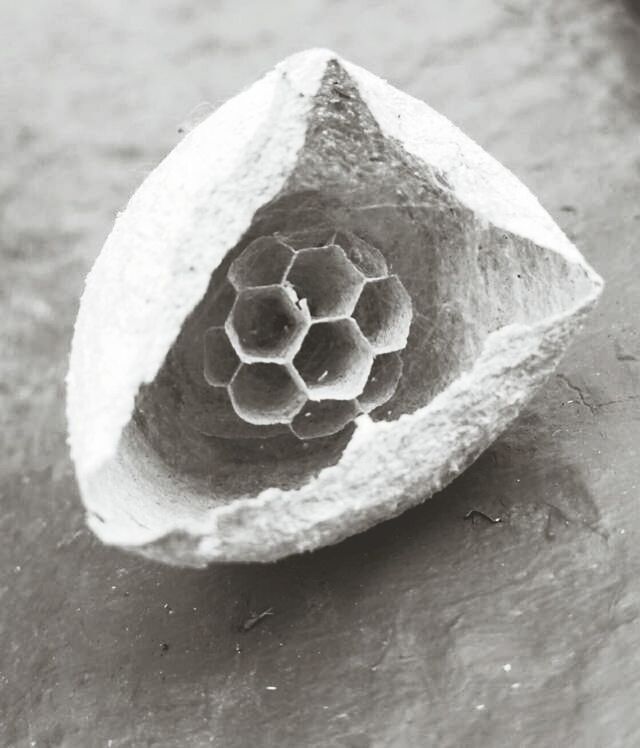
{"x":177,"y":229}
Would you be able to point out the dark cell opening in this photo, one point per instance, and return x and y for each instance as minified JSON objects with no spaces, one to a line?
{"x":383,"y":313}
{"x":266,"y":323}
{"x":327,"y":280}
{"x":334,"y":360}
{"x":324,"y":418}
{"x":265,"y":394}
{"x":369,"y":260}
{"x":383,"y":381}
{"x":264,"y":262}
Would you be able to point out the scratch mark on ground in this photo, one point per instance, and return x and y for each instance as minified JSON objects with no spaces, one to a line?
{"x":254,"y":619}
{"x":581,"y":396}
{"x":387,"y":642}
{"x":618,"y":401}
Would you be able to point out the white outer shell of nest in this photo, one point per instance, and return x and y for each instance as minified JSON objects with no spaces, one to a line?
{"x":159,"y":268}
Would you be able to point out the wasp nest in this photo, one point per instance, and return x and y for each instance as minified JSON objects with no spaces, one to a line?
{"x":313,"y":336}
{"x":317,"y":311}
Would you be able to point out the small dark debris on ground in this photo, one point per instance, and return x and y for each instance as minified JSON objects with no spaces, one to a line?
{"x":474,"y":514}
{"x":254,"y":619}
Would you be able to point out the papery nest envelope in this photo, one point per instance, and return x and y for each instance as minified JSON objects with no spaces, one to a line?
{"x":318,"y":310}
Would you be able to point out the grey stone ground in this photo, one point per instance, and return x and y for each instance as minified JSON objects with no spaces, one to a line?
{"x":427,"y":630}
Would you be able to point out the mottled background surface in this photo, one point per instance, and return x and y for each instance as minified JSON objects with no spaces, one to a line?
{"x":428,"y":630}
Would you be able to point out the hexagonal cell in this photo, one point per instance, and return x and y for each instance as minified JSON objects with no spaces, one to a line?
{"x":265,"y":393}
{"x":324,"y":418}
{"x":220,"y":359}
{"x":369,"y":260}
{"x":267,"y":324}
{"x":384,"y":313}
{"x":262,"y":263}
{"x":334,"y":360}
{"x":327,"y":280}
{"x":383,"y":381}
{"x":319,"y":236}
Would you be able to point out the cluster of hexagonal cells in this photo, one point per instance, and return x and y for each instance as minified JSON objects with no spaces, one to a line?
{"x":313,"y":336}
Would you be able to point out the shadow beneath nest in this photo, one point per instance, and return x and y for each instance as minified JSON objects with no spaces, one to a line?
{"x":419,"y":604}
{"x":223,"y":615}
